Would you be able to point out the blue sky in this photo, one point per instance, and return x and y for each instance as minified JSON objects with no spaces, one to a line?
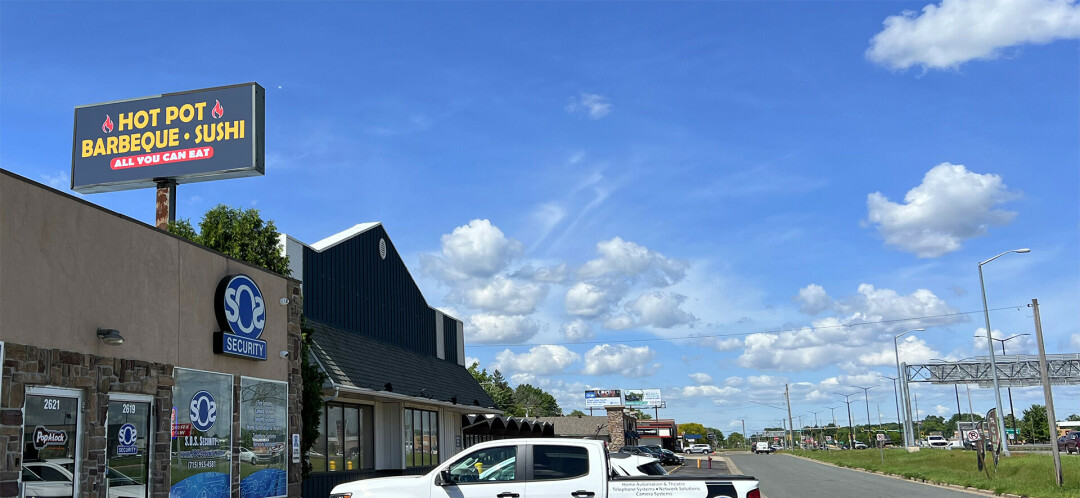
{"x":586,"y":185}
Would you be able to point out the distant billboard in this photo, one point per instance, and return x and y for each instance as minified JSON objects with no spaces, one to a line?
{"x":642,"y":397}
{"x":603,"y":397}
{"x":194,"y":136}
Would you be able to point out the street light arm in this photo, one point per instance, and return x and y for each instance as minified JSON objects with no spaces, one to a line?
{"x":1018,"y":251}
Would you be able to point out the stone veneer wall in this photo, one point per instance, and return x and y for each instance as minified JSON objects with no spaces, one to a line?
{"x":96,"y":376}
{"x":616,"y":427}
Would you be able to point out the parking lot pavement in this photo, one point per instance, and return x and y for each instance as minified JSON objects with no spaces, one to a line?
{"x":690,"y":467}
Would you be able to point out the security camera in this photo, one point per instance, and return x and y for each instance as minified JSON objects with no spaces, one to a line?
{"x":284,"y":301}
{"x":284,"y":354}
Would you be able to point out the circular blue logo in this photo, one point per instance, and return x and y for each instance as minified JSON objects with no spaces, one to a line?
{"x":127,"y":435}
{"x":203,"y":411}
{"x":243,"y":307}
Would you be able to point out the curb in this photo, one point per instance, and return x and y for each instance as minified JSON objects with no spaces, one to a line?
{"x":954,"y":487}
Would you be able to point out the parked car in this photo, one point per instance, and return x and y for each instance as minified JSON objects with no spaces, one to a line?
{"x":1070,"y":442}
{"x":671,"y":458}
{"x":699,"y":448}
{"x":547,"y":467}
{"x":859,"y":445}
{"x":625,"y":464}
{"x":936,"y":442}
{"x":762,"y":447}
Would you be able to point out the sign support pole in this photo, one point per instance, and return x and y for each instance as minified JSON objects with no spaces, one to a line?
{"x":1051,"y":418}
{"x":166,"y":204}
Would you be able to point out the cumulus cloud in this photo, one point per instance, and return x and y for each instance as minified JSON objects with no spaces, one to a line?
{"x":577,"y":330}
{"x":701,"y":378}
{"x":1074,"y":341}
{"x":619,"y":257}
{"x":708,"y":391}
{"x":620,"y":359}
{"x":478,"y":249}
{"x":539,"y":360}
{"x":860,"y":332}
{"x":589,"y":104}
{"x":953,"y":32}
{"x":720,"y":343}
{"x":951,"y":205}
{"x":764,"y":381}
{"x":586,"y":300}
{"x":942,"y":410}
{"x":661,"y":310}
{"x":504,"y":295}
{"x":910,"y":348}
{"x":734,"y":381}
{"x":489,"y":328}
{"x":813,"y":299}
{"x":553,"y":275}
{"x":469,"y":360}
{"x":621,"y":321}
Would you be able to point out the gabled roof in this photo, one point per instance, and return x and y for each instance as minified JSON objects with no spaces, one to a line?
{"x":343,"y":235}
{"x":353,"y":360}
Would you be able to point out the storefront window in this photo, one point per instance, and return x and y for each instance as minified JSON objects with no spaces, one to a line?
{"x":422,"y":436}
{"x":346,"y":439}
{"x":202,"y":434}
{"x":263,"y":437}
{"x":129,"y":441}
{"x":50,"y":428}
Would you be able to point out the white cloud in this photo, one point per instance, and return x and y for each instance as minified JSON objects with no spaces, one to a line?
{"x":60,"y":181}
{"x":910,"y":348}
{"x":540,"y":360}
{"x":813,"y":299}
{"x":660,"y":310}
{"x":956,"y":31}
{"x":590,"y":104}
{"x":701,"y":378}
{"x":478,"y":249}
{"x":734,"y":381}
{"x":951,"y":205}
{"x":942,"y":410}
{"x":1074,"y":341}
{"x":554,"y":275}
{"x":577,"y":330}
{"x":586,"y":300}
{"x":620,"y":359}
{"x":863,"y":331}
{"x":1021,"y":344}
{"x":708,"y":391}
{"x":621,"y":321}
{"x":488,"y":328}
{"x":624,"y":258}
{"x":721,"y":344}
{"x":503,"y":295}
{"x":469,"y":360}
{"x":765,"y":381}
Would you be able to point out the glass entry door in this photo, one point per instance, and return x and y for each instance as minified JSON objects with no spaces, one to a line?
{"x":50,"y":433}
{"x":129,"y":447}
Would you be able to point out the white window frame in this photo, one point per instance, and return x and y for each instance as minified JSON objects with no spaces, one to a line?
{"x":60,"y":392}
{"x":151,"y":438}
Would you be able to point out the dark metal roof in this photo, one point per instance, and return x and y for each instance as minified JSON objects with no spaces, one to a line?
{"x":497,"y":425}
{"x":357,"y":361}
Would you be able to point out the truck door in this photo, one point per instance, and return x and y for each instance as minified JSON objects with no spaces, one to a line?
{"x":564,"y":471}
{"x":494,"y":472}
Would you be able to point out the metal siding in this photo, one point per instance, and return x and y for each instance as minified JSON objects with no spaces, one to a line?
{"x":450,"y":339}
{"x":349,"y":287}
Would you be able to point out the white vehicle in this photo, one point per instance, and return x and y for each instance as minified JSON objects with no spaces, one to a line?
{"x":762,"y":447}
{"x":54,"y":478}
{"x":937,"y":442}
{"x":625,"y":464}
{"x":544,"y":468}
{"x":699,"y":448}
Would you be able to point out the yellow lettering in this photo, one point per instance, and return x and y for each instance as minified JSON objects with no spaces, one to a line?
{"x":171,"y":113}
{"x":200,"y":106}
{"x":186,"y":113}
{"x":87,"y":148}
{"x":198,"y":133}
{"x":153,"y":116}
{"x":232,"y":129}
{"x":174,"y":137}
{"x":124,"y":120}
{"x":125,"y":144}
{"x":148,"y":141}
{"x":136,"y":144}
{"x":141,"y":119}
{"x":242,"y":127}
{"x":110,"y":145}
{"x":220,"y":131}
{"x":99,"y":147}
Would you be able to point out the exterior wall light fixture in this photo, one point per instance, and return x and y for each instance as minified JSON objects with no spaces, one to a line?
{"x":111,"y":337}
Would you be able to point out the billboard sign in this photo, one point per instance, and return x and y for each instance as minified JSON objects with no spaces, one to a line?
{"x":603,"y":397}
{"x":642,"y":397}
{"x":194,"y":136}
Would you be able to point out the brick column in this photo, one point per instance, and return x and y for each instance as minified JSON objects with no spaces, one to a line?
{"x":616,"y":427}
{"x":296,"y":383}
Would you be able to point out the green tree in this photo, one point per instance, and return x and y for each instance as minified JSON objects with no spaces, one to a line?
{"x":933,"y":423}
{"x":692,"y":428}
{"x":1034,"y":426}
{"x":950,"y":426}
{"x":736,"y":440}
{"x":311,"y":400}
{"x":1073,"y":418}
{"x":576,"y":413}
{"x":536,"y":402}
{"x":638,"y":414}
{"x":717,"y":436}
{"x":239,"y":233}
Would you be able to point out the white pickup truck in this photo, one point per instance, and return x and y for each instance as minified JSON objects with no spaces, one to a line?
{"x":542,"y":468}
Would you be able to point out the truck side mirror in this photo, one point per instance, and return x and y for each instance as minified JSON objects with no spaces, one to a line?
{"x":445,"y":479}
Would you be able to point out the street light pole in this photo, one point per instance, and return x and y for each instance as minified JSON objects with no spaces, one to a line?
{"x":1011,"y":411}
{"x":990,"y":345}
{"x":851,"y":426}
{"x":897,"y":399}
{"x":866,"y":397}
{"x":906,"y":430}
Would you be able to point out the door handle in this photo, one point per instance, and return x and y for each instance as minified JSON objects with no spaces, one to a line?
{"x":507,"y":494}
{"x":582,"y":493}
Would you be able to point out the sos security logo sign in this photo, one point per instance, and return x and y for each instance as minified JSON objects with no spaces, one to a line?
{"x":241,"y":312}
{"x":127,"y":435}
{"x":203,"y":411}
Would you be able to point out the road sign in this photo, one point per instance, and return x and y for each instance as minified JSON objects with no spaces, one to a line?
{"x":973,"y":435}
{"x":880,"y":437}
{"x":828,"y":438}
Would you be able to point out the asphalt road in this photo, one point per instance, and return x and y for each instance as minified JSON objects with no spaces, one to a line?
{"x":783,"y":476}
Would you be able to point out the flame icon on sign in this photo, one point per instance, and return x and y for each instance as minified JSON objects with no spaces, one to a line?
{"x":107,"y":126}
{"x":218,"y":111}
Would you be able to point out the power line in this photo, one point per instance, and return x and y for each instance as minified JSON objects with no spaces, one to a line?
{"x":739,"y":334}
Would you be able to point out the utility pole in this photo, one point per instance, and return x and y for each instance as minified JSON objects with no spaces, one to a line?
{"x":787,"y":396}
{"x":744,"y":431}
{"x":851,"y":425}
{"x":866,"y":396}
{"x":1047,"y":392}
{"x":918,"y":421}
{"x":896,"y":397}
